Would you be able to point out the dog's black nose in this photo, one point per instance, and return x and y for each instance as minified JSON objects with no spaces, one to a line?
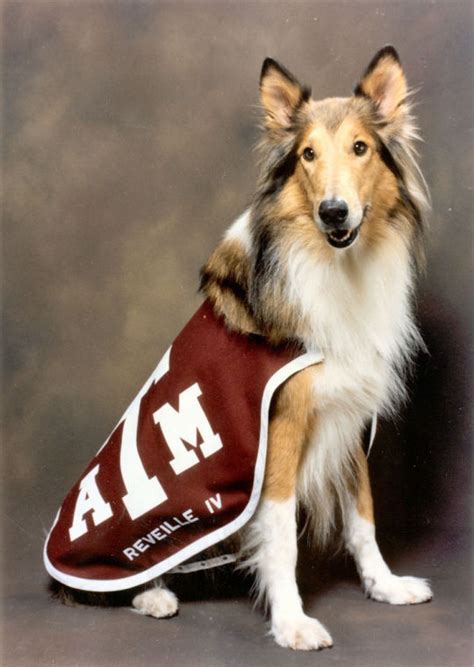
{"x":333,"y":212}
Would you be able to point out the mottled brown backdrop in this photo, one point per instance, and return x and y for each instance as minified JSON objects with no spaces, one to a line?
{"x":128,"y":148}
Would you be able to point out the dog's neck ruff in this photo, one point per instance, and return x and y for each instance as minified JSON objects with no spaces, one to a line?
{"x":184,"y":467}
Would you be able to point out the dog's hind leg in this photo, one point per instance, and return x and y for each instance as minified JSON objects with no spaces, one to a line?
{"x":158,"y":601}
{"x":272,"y":536}
{"x":378,"y":581}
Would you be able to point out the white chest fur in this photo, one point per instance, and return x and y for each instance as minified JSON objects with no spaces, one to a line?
{"x":359,"y":312}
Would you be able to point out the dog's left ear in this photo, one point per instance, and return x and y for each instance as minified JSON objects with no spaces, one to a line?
{"x":384,"y":83}
{"x":281,"y":95}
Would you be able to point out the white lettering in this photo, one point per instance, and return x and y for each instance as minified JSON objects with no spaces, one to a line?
{"x":130,"y":553}
{"x":158,"y":534}
{"x":144,"y":542}
{"x":190,"y":518}
{"x":143,"y":492}
{"x":140,"y":546}
{"x":214,"y":500}
{"x":169,"y":526}
{"x":89,"y":500}
{"x":185,"y":424}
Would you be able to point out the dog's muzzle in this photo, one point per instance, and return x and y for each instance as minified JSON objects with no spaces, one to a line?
{"x":334,"y":221}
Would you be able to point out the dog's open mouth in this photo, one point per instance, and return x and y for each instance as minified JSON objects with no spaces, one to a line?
{"x":342,"y":238}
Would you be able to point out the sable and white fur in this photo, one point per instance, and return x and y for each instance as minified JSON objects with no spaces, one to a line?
{"x":341,"y":283}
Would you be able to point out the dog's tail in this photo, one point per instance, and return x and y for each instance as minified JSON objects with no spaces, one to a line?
{"x":73,"y":597}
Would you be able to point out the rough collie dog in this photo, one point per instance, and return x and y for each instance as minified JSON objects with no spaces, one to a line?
{"x":326,"y":257}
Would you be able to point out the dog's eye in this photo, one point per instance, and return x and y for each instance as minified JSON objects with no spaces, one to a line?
{"x":308,"y":154}
{"x":360,"y":147}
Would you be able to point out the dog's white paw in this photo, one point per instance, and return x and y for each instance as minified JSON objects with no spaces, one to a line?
{"x":157,"y":602}
{"x":398,"y":590}
{"x":301,"y":633}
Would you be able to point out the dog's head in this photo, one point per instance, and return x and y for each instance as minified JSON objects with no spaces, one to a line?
{"x":345,"y":163}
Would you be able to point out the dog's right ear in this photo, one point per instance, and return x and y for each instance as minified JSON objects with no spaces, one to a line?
{"x":281,"y":95}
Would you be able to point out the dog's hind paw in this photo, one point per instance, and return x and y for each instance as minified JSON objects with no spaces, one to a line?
{"x":301,"y":633}
{"x":157,"y":602}
{"x":399,"y":590}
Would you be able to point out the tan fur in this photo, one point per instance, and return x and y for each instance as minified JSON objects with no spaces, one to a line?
{"x":365,"y":505}
{"x":228,"y":267}
{"x":292,"y":420}
{"x":293,"y":201}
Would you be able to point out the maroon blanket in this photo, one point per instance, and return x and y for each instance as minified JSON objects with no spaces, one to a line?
{"x":184,"y":467}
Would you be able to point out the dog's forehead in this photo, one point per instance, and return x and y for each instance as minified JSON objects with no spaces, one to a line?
{"x":333,"y":111}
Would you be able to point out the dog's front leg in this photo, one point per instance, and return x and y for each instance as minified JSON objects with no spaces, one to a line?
{"x":378,"y":581}
{"x":273,"y":532}
{"x":275,"y":559}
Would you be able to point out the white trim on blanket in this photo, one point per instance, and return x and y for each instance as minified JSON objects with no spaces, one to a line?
{"x":109,"y":585}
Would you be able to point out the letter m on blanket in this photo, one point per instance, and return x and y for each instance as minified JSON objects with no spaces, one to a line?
{"x":184,"y":425}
